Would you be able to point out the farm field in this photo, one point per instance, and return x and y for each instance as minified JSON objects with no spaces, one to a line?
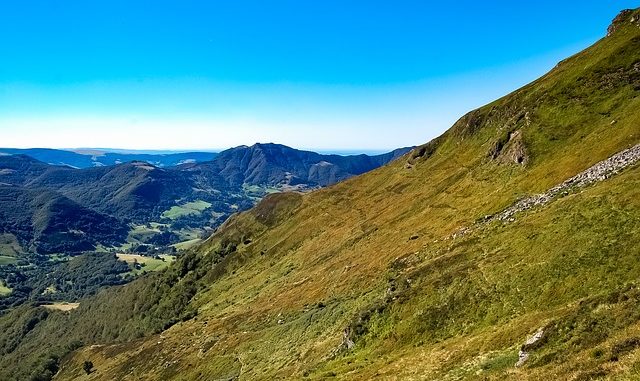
{"x":7,"y":260}
{"x":4,"y":289}
{"x":61,"y":306}
{"x":147,"y":263}
{"x":190,"y":208}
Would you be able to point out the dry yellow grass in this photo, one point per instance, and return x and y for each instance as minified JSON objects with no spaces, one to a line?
{"x":61,"y":306}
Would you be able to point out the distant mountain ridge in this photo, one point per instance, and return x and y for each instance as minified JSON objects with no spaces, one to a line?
{"x":139,"y":192}
{"x":272,"y":164}
{"x":97,"y":158}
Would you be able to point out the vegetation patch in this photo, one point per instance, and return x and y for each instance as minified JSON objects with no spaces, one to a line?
{"x":61,"y":306}
{"x":187,"y":209}
{"x":7,"y":260}
{"x":184,"y":245}
{"x":4,"y":289}
{"x":140,"y":264}
{"x":9,"y":246}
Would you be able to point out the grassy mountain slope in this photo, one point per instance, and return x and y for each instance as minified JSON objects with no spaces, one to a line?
{"x":364,"y":280}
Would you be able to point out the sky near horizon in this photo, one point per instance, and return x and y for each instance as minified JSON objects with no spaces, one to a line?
{"x":325,"y":75}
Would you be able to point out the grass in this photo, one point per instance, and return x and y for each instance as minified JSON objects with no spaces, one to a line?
{"x":6,"y":260}
{"x":149,"y":263}
{"x":187,"y":209}
{"x":4,"y":289}
{"x":61,"y":306}
{"x":9,"y":245}
{"x":256,"y":191}
{"x":185,"y":245}
{"x":139,"y":233}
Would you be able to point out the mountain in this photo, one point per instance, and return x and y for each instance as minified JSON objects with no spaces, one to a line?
{"x":51,"y":223}
{"x":275,"y":164}
{"x":97,"y":158}
{"x":126,"y":191}
{"x":138,"y":192}
{"x":505,"y":249}
{"x":131,"y":191}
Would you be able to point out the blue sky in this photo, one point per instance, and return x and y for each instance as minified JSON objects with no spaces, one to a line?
{"x":311,"y":74}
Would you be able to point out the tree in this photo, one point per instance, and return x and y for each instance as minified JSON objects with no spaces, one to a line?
{"x":88,"y":367}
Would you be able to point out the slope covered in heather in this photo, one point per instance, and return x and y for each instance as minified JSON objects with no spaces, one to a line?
{"x":402,"y":273}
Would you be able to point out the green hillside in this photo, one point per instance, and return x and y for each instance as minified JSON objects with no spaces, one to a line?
{"x":403,"y":272}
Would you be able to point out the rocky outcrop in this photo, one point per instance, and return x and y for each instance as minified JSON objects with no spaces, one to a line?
{"x":532,"y":343}
{"x":513,"y":151}
{"x":626,"y":15}
{"x":600,"y":171}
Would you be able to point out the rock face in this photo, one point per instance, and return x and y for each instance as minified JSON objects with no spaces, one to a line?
{"x":624,"y":16}
{"x":347,"y":342}
{"x":515,"y":150}
{"x":532,"y":343}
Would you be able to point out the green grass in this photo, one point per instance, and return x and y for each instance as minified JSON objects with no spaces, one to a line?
{"x":5,"y":260}
{"x":9,"y":245}
{"x":150,"y":264}
{"x":184,"y":245}
{"x":259,"y":191}
{"x":187,"y":209}
{"x":139,"y":233}
{"x":4,"y":289}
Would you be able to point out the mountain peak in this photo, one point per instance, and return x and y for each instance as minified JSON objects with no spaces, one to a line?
{"x":631,"y":16}
{"x":269,"y":145}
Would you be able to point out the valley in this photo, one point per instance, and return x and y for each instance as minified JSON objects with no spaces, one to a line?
{"x":52,"y":214}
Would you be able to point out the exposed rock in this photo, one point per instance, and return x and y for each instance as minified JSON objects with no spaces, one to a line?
{"x":619,"y":20}
{"x":509,"y":146}
{"x":425,"y":151}
{"x":347,"y":342}
{"x":532,"y":343}
{"x":600,"y":171}
{"x":515,"y":150}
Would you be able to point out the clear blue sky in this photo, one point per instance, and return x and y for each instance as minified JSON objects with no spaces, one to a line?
{"x":312,"y":74}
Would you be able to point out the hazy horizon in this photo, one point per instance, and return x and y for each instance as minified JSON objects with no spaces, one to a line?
{"x":326,"y":151}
